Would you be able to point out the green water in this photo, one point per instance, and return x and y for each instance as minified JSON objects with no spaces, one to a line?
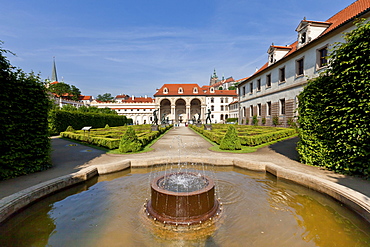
{"x":258,"y":210}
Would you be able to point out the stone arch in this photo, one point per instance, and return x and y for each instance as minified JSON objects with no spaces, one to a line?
{"x":195,"y":108}
{"x":164,"y":109}
{"x":180,"y":110}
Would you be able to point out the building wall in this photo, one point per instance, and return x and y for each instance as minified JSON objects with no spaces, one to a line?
{"x":288,"y":89}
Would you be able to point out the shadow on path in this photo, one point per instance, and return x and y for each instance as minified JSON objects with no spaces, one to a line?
{"x":288,"y":148}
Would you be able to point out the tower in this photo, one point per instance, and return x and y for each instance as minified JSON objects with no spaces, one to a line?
{"x":214,"y":78}
{"x":54,"y":77}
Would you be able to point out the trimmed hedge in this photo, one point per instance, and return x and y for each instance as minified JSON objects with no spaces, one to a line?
{"x":59,"y":120}
{"x":110,"y":138}
{"x":24,"y":104}
{"x":334,"y":109}
{"x":248,"y":135}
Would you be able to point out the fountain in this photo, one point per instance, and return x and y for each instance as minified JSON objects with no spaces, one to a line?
{"x":183,"y":198}
{"x":184,"y":209}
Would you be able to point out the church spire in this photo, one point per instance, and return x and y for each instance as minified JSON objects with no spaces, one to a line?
{"x":54,"y":77}
{"x":214,"y":74}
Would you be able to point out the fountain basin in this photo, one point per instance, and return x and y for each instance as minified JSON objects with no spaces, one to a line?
{"x":182,"y":198}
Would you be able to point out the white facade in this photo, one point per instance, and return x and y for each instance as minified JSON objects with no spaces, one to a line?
{"x":139,"y":109}
{"x":272,"y":91}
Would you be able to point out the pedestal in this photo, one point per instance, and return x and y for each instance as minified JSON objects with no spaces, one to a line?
{"x":208,"y":127}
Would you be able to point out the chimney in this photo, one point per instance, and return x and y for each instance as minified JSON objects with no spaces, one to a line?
{"x":133,"y":97}
{"x":146,"y":96}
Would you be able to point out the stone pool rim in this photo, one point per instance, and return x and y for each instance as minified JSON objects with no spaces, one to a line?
{"x":354,"y":200}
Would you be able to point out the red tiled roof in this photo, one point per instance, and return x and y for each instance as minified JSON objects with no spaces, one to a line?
{"x":188,"y":89}
{"x":83,"y":97}
{"x":122,"y":96}
{"x":139,"y":100}
{"x":347,"y":14}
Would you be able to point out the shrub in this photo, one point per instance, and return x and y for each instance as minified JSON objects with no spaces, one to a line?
{"x":263,"y":120}
{"x":129,"y":142}
{"x":107,"y":126}
{"x":275,"y":121}
{"x":231,"y":140}
{"x":255,"y":120}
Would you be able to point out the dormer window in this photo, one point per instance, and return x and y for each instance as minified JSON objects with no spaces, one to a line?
{"x":212,"y":90}
{"x":310,"y":30}
{"x":165,"y":90}
{"x":180,"y":90}
{"x":277,"y":52}
{"x":195,"y":90}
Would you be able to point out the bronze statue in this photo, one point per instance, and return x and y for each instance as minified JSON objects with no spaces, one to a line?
{"x":208,"y":117}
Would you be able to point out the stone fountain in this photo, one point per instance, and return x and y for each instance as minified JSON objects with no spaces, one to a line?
{"x":183,"y":198}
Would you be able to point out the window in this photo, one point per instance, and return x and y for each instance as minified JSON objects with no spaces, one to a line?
{"x":212,"y":100}
{"x":165,"y":90}
{"x":226,"y":100}
{"x":222,"y":108}
{"x":322,"y":57}
{"x":251,"y":87}
{"x":303,"y":38}
{"x":244,"y":112}
{"x":259,"y":85}
{"x":180,"y":90}
{"x":251,"y":110}
{"x":212,"y":108}
{"x":268,"y":104}
{"x":282,"y":106}
{"x":282,"y":74}
{"x":244,"y":90}
{"x":272,"y":58}
{"x":299,"y":67}
{"x":212,"y":116}
{"x":195,"y":90}
{"x":268,"y":80}
{"x":259,"y":109}
{"x":222,"y":117}
{"x":222,"y":100}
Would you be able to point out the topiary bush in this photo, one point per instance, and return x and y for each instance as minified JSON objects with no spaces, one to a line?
{"x":70,"y":129}
{"x":231,"y":140}
{"x":129,"y":142}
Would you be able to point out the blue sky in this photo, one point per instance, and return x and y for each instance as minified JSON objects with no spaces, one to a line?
{"x":134,"y":47}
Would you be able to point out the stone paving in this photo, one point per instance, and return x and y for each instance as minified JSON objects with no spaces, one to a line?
{"x":183,"y":143}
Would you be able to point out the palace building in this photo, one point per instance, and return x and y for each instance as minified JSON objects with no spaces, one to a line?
{"x":271,"y":92}
{"x":189,"y":102}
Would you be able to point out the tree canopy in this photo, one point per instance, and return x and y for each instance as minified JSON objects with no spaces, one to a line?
{"x":334,"y":108}
{"x":62,"y":89}
{"x":105,"y":97}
